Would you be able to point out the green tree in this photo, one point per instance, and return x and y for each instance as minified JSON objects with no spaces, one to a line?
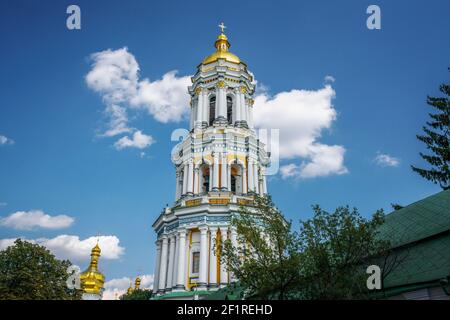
{"x":267,"y":263}
{"x":337,"y":248}
{"x":30,"y":272}
{"x":396,"y":206}
{"x":437,"y":140}
{"x":139,"y":294}
{"x":327,"y":259}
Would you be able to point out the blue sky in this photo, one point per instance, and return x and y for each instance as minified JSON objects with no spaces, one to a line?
{"x":60,"y":165}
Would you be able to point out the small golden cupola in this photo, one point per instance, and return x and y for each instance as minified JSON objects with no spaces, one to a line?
{"x":129,"y":290}
{"x":92,"y":280}
{"x":222,"y":46}
{"x":137,"y":283}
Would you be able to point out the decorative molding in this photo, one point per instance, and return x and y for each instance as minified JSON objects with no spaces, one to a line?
{"x":244,"y":202}
{"x":193,"y":202}
{"x":219,"y":201}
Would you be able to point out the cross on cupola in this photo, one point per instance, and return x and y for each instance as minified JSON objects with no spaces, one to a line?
{"x":222,"y":26}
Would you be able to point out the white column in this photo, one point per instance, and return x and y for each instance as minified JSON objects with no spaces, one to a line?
{"x":244,"y":180}
{"x":187,"y":260}
{"x":157,"y":263}
{"x":223,"y":270}
{"x":221,"y":102}
{"x":181,"y":260}
{"x":224,"y":176}
{"x":196,"y":178}
{"x":194,"y":111}
{"x":218,"y":103}
{"x":171,"y":261}
{"x":211,"y":176}
{"x":163,"y":265}
{"x":203,"y":272}
{"x":213,"y":259}
{"x":233,"y":238}
{"x":190,"y":180}
{"x":223,"y":93}
{"x":228,"y":177}
{"x":250,"y":116}
{"x":191,"y":115}
{"x":247,"y":113}
{"x":256,"y":178}
{"x":243,"y":107}
{"x":199,"y":114}
{"x":177,"y":187}
{"x":204,"y":98}
{"x":175,"y":263}
{"x":238,"y":105}
{"x":251,"y":179}
{"x":264,"y":184}
{"x":216,"y":173}
{"x":185,"y":178}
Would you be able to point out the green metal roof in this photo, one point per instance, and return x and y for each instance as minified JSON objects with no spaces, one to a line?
{"x":426,"y":261}
{"x":419,"y":220}
{"x":420,"y":234}
{"x":184,"y":294}
{"x":231,"y":292}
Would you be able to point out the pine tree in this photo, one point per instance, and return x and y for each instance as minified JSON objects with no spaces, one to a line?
{"x":437,"y":140}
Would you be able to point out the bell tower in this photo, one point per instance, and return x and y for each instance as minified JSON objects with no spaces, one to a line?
{"x":219,"y":166}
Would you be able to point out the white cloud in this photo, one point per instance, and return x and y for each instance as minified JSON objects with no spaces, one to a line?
{"x":72,"y":248}
{"x":4,"y":140}
{"x":115,"y":75}
{"x":28,"y":220}
{"x":5,"y":243}
{"x":329,"y":79}
{"x":302,"y":116}
{"x":289,"y":170}
{"x":167,"y":99}
{"x":385,"y":160}
{"x":139,"y":141}
{"x":116,"y":287}
{"x":118,"y":121}
{"x":69,"y":246}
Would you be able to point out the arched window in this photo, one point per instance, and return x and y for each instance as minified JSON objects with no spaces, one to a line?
{"x":233,"y":183}
{"x":236,"y":179}
{"x":195,"y":262}
{"x":204,"y":178}
{"x":212,"y":110}
{"x":230,"y":110}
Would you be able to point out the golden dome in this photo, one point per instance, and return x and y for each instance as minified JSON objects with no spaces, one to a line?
{"x":92,"y":279}
{"x":137,"y":283}
{"x":222,"y":45}
{"x":129,"y":290}
{"x":96,"y":250}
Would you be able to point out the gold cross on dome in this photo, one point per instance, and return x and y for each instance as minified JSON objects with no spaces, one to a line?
{"x":222,"y":26}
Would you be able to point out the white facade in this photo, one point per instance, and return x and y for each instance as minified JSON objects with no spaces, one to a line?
{"x":91,"y":296}
{"x":219,"y":166}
